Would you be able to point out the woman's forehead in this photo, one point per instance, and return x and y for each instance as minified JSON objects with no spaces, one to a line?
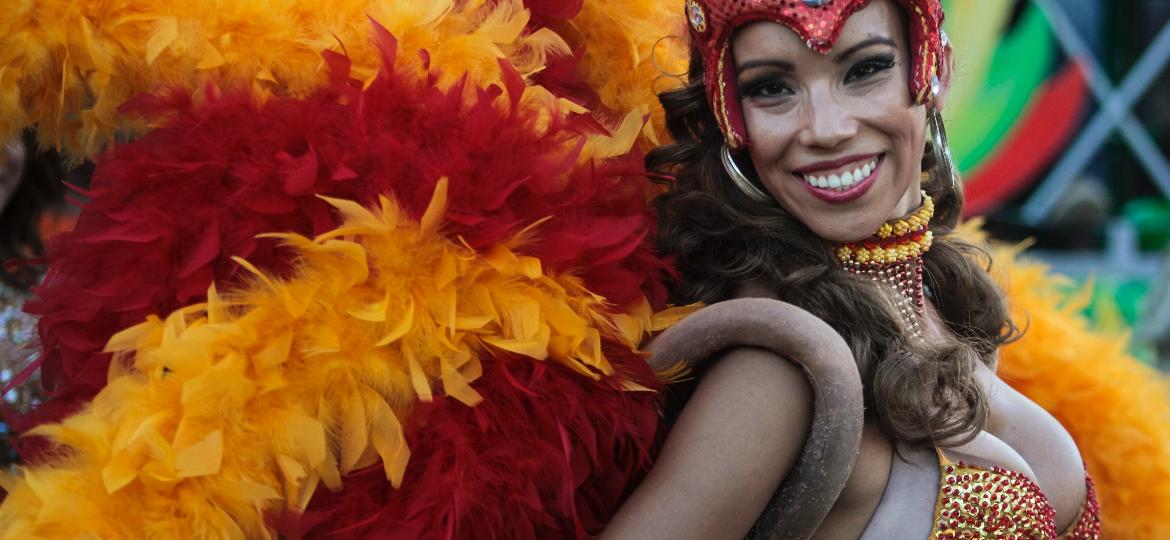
{"x":764,"y":38}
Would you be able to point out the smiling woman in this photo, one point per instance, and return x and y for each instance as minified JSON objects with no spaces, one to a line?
{"x":817,"y":119}
{"x":846,"y":375}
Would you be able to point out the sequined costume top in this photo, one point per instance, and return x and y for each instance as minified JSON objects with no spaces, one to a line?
{"x":929,"y":496}
{"x":978,"y":502}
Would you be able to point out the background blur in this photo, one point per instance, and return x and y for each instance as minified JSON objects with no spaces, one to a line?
{"x":1060,"y":122}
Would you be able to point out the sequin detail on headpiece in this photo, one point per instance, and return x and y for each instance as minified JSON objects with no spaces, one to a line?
{"x":818,"y":23}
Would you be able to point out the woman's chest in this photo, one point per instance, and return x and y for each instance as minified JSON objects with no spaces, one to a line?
{"x":899,"y":491}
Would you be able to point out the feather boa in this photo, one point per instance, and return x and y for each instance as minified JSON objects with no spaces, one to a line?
{"x":69,"y":65}
{"x":506,"y":262}
{"x":181,"y":202}
{"x":1116,"y":408}
{"x":234,"y":410}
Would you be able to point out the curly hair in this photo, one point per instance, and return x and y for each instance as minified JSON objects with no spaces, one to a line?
{"x":720,"y":239}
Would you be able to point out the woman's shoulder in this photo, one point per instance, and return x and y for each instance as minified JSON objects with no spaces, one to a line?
{"x":757,"y":376}
{"x":735,"y":440}
{"x":755,"y":394}
{"x":769,"y":347}
{"x":764,"y":371}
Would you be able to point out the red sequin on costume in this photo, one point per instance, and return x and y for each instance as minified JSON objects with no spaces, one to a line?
{"x":713,"y":22}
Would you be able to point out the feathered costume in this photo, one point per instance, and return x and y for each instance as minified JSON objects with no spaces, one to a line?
{"x":438,"y":331}
{"x":380,"y":269}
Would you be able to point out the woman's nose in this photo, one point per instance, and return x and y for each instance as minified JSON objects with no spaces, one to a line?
{"x":827,"y":123}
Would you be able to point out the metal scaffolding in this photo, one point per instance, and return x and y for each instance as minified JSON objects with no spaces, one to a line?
{"x":1116,"y":113}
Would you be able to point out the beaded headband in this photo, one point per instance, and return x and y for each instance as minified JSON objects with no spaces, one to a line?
{"x":819,"y":23}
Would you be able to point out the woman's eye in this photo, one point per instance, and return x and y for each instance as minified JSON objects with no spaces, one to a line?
{"x":766,"y":89}
{"x":868,"y":68}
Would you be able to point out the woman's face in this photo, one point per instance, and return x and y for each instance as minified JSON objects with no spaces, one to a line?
{"x":834,"y":137}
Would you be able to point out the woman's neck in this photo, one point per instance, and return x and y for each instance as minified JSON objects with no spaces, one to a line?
{"x":893,"y":256}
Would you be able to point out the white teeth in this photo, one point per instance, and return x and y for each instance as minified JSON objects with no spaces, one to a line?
{"x":845,"y":180}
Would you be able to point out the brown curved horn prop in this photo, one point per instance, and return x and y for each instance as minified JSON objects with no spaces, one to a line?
{"x":805,"y":496}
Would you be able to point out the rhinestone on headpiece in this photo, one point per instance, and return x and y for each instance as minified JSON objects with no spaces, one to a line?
{"x":816,"y":3}
{"x":696,"y":16}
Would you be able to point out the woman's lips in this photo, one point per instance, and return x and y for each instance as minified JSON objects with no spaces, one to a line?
{"x":835,"y":192}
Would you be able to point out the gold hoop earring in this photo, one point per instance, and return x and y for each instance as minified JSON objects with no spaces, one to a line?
{"x":740,"y":179}
{"x":943,"y":162}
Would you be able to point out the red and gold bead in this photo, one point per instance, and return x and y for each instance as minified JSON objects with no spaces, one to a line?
{"x":893,"y":256}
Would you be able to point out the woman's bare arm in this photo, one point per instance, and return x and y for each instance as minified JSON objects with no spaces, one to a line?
{"x":736,"y":439}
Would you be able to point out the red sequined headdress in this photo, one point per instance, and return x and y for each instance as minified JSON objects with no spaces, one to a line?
{"x":818,"y":22}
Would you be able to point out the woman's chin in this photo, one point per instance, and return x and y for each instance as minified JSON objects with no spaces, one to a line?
{"x":848,"y":234}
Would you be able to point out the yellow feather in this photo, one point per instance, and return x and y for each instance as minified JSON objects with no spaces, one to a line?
{"x":535,"y":346}
{"x":437,"y":206}
{"x":354,"y":433}
{"x":275,"y":351}
{"x":387,"y":438}
{"x":634,"y":49}
{"x":210,"y":57}
{"x":620,"y":142}
{"x":164,"y":33}
{"x":127,"y":339}
{"x":400,"y":328}
{"x":372,"y":312}
{"x":202,"y":458}
{"x":8,"y":481}
{"x":418,"y":378}
{"x":456,"y":385}
{"x":676,"y":373}
{"x":447,"y":271}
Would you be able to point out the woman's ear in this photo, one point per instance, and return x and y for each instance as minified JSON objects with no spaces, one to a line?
{"x":946,"y":69}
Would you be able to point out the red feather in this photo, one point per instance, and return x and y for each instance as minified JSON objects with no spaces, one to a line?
{"x":545,"y":12}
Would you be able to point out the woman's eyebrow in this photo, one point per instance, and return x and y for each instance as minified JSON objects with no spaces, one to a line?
{"x":840,"y":57}
{"x":766,"y":62}
{"x":877,"y":40}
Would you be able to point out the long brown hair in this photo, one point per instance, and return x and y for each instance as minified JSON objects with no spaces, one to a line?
{"x":720,"y":239}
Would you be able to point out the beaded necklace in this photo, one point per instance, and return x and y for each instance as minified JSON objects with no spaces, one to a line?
{"x":893,"y":256}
